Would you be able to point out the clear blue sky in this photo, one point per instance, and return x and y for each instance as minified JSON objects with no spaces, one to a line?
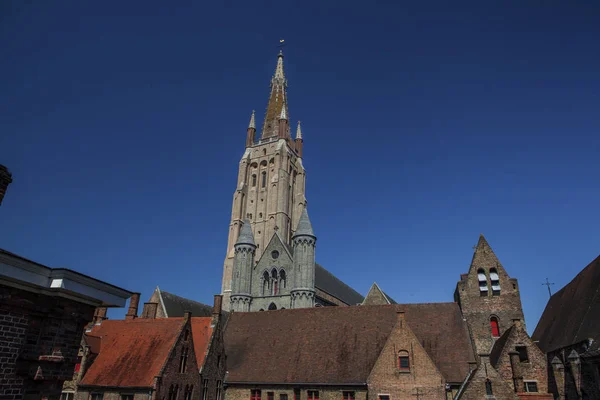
{"x":425,"y":124}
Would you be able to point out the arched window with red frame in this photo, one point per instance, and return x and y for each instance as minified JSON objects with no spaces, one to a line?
{"x":495,"y":327}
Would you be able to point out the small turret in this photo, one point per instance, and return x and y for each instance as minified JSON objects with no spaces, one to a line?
{"x":304,"y":241}
{"x":299,"y":141}
{"x":242,"y":269}
{"x":283,"y":123}
{"x":251,"y":131}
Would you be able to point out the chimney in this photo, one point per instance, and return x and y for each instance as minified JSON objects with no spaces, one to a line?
{"x":99,"y":315}
{"x":134,"y":301}
{"x":187,"y":315}
{"x":400,"y":316}
{"x":217,"y":305}
{"x":149,"y":310}
{"x":5,"y":180}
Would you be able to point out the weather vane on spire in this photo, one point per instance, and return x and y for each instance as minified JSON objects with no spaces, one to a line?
{"x":281,"y":44}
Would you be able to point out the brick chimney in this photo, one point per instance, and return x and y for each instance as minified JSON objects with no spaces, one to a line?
{"x":134,"y":301}
{"x":400,"y":316}
{"x":217,"y":305}
{"x":99,"y":315}
{"x":187,"y":315}
{"x":149,"y":310}
{"x":5,"y":180}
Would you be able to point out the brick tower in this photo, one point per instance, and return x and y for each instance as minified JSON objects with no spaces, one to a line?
{"x":271,"y":180}
{"x":488,"y":298}
{"x":5,"y":180}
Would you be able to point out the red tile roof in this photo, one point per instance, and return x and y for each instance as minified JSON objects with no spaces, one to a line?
{"x":201,"y":333}
{"x":132,"y":351}
{"x":339,"y":345}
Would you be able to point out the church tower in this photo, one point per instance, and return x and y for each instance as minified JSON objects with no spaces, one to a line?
{"x":270,"y":192}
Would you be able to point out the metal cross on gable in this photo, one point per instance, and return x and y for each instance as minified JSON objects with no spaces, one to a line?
{"x":548,"y":284}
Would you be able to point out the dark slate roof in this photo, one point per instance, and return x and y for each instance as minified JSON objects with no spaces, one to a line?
{"x":327,"y":282}
{"x":571,"y":315}
{"x":246,"y":236}
{"x":175,"y":306}
{"x":339,"y":345}
{"x":304,"y":226}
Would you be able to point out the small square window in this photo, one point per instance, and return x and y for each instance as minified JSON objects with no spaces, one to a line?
{"x":384,"y":397}
{"x":531,"y":386}
{"x":523,"y":357}
{"x":255,"y":395}
{"x":126,"y":397}
{"x":283,"y":396}
{"x":270,"y":396}
{"x":347,"y":395}
{"x":312,"y":394}
{"x":97,"y":396}
{"x":67,"y":396}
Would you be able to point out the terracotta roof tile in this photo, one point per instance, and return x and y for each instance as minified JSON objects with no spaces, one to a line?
{"x":339,"y":344}
{"x":201,"y":331}
{"x":127,"y":345}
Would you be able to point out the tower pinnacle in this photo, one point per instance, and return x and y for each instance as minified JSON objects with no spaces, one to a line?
{"x":252,"y":123}
{"x":277,"y":105}
{"x":298,"y":131}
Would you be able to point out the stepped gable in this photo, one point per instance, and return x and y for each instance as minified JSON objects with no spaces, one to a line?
{"x":333,"y":345}
{"x":571,"y":315}
{"x":329,"y":283}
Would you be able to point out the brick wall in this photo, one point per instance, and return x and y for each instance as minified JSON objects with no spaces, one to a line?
{"x":242,"y":392}
{"x":479,"y":309}
{"x":41,"y":336}
{"x":422,"y":377}
{"x":476,"y":388}
{"x":513,"y":371}
{"x":213,"y":371}
{"x":13,"y":327}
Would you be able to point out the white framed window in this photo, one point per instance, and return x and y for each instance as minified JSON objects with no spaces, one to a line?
{"x":67,"y":395}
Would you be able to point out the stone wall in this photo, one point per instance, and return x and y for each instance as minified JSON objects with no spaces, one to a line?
{"x":243,"y":392}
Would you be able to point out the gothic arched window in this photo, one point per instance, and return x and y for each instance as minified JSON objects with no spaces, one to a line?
{"x":263,"y":182}
{"x":253,"y":179}
{"x":495,"y":280}
{"x":265,"y":283}
{"x":495,"y":327}
{"x":275,"y":279}
{"x":483,"y":285}
{"x":488,"y":388}
{"x":282,"y":279}
{"x":272,"y":306}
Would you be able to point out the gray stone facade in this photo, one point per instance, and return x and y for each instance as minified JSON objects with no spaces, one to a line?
{"x":282,"y":278}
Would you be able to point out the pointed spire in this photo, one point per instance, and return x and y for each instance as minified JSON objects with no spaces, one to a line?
{"x":252,"y":124}
{"x":298,"y":131}
{"x":304,"y":225}
{"x":279,"y":69}
{"x":246,"y":236}
{"x":277,"y":105}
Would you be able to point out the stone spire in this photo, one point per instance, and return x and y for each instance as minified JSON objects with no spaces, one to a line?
{"x":246,"y":236}
{"x":252,"y":124}
{"x":298,"y":132}
{"x":251,"y":131}
{"x":304,"y":226}
{"x":5,"y":180}
{"x":283,"y":115}
{"x":277,"y":105}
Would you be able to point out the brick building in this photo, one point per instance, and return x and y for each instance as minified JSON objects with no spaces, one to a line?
{"x":176,"y":358}
{"x":43,"y":312}
{"x":569,"y":332}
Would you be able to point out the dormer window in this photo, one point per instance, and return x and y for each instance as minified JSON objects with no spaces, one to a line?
{"x":495,"y":280}
{"x":483,"y":284}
